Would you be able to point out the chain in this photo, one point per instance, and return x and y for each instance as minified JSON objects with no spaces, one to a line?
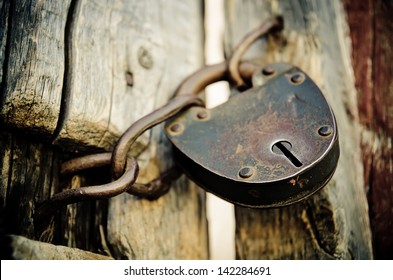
{"x":125,"y":169}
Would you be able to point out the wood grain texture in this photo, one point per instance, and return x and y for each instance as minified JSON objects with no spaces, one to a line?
{"x":32,"y":60}
{"x":120,"y":60}
{"x":371,"y":31}
{"x":334,"y":223}
{"x":19,"y":247}
{"x":111,"y":42}
{"x":84,"y":225}
{"x":29,"y":174}
{"x":140,"y":38}
{"x":172,"y":227}
{"x":4,"y":10}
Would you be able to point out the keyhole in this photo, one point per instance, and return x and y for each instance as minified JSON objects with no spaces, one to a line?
{"x":283,"y":148}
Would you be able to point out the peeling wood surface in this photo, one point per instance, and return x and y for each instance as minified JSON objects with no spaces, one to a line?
{"x":32,"y":61}
{"x":371,"y":31}
{"x":19,"y":247}
{"x":334,"y":223}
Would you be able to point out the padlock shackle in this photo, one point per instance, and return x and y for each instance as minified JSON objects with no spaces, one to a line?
{"x":210,"y":74}
{"x":271,"y":25}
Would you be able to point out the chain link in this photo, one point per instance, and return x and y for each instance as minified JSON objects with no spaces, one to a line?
{"x":125,"y":169}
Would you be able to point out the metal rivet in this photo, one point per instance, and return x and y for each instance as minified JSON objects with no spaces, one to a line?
{"x":176,"y":128}
{"x":325,"y":130}
{"x":297,"y":78}
{"x":246,"y":172}
{"x":268,"y":70}
{"x":202,"y":115}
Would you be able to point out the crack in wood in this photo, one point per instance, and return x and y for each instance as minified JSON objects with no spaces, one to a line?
{"x":65,"y":93}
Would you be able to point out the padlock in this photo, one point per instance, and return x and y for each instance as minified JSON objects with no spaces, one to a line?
{"x":270,"y":146}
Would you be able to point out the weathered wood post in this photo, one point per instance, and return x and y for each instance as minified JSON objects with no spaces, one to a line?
{"x":371,"y":31}
{"x":334,"y":223}
{"x":75,"y":75}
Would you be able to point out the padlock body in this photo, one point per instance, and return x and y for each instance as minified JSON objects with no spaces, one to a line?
{"x":269,"y":146}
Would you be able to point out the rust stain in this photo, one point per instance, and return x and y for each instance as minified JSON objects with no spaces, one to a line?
{"x":293,"y":181}
{"x":300,"y":183}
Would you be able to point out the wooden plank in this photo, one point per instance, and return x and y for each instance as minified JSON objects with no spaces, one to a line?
{"x":33,"y":64}
{"x":120,"y":61}
{"x":113,"y":43}
{"x":371,"y":33}
{"x":83,"y":225}
{"x":32,"y":70}
{"x":119,"y":40}
{"x":334,"y":223}
{"x":29,"y":174}
{"x":174,"y":226}
{"x":18,"y":247}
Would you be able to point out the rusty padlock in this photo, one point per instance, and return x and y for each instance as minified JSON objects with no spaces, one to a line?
{"x":272,"y":145}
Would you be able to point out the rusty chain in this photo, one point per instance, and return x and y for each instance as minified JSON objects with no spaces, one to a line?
{"x":125,"y":169}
